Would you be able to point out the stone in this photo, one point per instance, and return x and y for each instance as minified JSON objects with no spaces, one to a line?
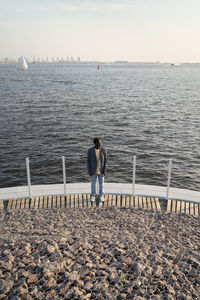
{"x":6,"y":285}
{"x":50,"y":283}
{"x":88,"y":286}
{"x":73,"y":276}
{"x":51,"y":249}
{"x":6,"y":265}
{"x":32,"y":278}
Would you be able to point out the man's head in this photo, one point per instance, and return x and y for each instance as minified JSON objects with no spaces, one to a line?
{"x":97,"y":143}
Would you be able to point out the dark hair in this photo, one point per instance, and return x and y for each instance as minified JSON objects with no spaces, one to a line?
{"x":96,"y":140}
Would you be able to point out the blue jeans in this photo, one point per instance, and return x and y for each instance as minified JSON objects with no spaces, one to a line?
{"x":101,"y":184}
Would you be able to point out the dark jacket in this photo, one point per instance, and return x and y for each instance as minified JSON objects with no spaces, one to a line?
{"x":92,"y":161}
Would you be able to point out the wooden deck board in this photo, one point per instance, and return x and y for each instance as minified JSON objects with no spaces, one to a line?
{"x":118,"y":200}
{"x":140,"y":203}
{"x":153,"y":203}
{"x":131,"y":201}
{"x":178,"y":207}
{"x":136,"y":202}
{"x":32,"y":203}
{"x":45,"y":202}
{"x":174,"y":206}
{"x":9,"y":204}
{"x":182,"y":207}
{"x":27,"y":203}
{"x":191,"y":209}
{"x":123,"y":201}
{"x":18,"y":203}
{"x":187,"y":208}
{"x":36,"y":202}
{"x":149,"y":203}
{"x":144,"y":202}
{"x":58,"y":201}
{"x":158,"y":207}
{"x":169,"y":202}
{"x":196,"y":209}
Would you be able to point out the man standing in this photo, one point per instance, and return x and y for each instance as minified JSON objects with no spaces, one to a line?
{"x":97,"y":164}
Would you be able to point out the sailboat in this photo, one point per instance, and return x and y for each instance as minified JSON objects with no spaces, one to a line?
{"x":24,"y":65}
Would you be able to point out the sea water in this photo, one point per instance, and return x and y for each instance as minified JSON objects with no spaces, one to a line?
{"x":54,"y":110}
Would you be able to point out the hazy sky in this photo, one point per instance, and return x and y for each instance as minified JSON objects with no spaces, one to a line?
{"x":106,"y":30}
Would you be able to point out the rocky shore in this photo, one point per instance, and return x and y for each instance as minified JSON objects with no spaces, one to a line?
{"x":99,"y":254}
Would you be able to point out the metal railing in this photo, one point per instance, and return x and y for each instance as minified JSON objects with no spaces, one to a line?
{"x":64,"y":177}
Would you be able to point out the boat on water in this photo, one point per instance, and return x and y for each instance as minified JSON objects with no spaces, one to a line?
{"x":175,"y":65}
{"x":23,"y":65}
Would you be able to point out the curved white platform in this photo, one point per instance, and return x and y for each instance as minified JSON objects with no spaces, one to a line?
{"x":113,"y":188}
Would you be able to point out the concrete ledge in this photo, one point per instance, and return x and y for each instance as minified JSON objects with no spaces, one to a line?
{"x":111,"y":188}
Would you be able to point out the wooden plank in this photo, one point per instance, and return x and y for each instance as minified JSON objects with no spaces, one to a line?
{"x":149,"y":203}
{"x":32,"y":203}
{"x":118,"y":200}
{"x":110,"y":200}
{"x":71,"y":200}
{"x":169,"y":203}
{"x":1,"y":205}
{"x":68,"y":201}
{"x":27,"y":203}
{"x":153,"y":203}
{"x":41,"y":199}
{"x":174,"y":206}
{"x":49,"y":201}
{"x":14,"y":203}
{"x":136,"y":202}
{"x":196,"y":209}
{"x":131,"y":201}
{"x":62,"y":201}
{"x":178,"y":206}
{"x":9,"y":204}
{"x":187,"y":208}
{"x":18,"y":203}
{"x":58,"y":201}
{"x":123,"y":201}
{"x":144,"y":202}
{"x":80,"y":200}
{"x":89,"y":200}
{"x":114,"y":200}
{"x":191,"y":208}
{"x":140,"y":203}
{"x":127,"y":201}
{"x":36,"y":202}
{"x":182,"y":207}
{"x":45,"y":202}
{"x":105,"y":204}
{"x":158,"y":207}
{"x":54,"y":202}
{"x":84,"y":200}
{"x":23,"y":203}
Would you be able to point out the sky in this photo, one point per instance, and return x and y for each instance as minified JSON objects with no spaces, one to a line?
{"x":103,"y":30}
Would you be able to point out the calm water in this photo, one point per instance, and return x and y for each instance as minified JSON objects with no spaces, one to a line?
{"x":151,"y":111}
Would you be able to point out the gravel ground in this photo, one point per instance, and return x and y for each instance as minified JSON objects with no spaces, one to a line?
{"x":99,"y":254}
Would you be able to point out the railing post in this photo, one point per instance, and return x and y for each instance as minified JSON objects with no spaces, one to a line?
{"x":28,"y":177}
{"x":169,"y":177}
{"x":134,"y":168}
{"x":64,"y":175}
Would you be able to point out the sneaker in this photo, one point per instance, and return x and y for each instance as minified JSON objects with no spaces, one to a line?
{"x":102,"y":198}
{"x":92,"y":198}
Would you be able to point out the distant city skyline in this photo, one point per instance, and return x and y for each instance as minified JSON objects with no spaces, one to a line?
{"x":101,"y":30}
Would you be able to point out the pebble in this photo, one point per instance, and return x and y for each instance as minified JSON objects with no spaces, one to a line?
{"x":99,"y":254}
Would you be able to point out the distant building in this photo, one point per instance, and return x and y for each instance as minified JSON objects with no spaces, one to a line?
{"x":72,"y":59}
{"x":79,"y":59}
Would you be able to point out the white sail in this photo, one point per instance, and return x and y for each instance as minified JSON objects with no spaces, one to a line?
{"x":24,"y":65}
